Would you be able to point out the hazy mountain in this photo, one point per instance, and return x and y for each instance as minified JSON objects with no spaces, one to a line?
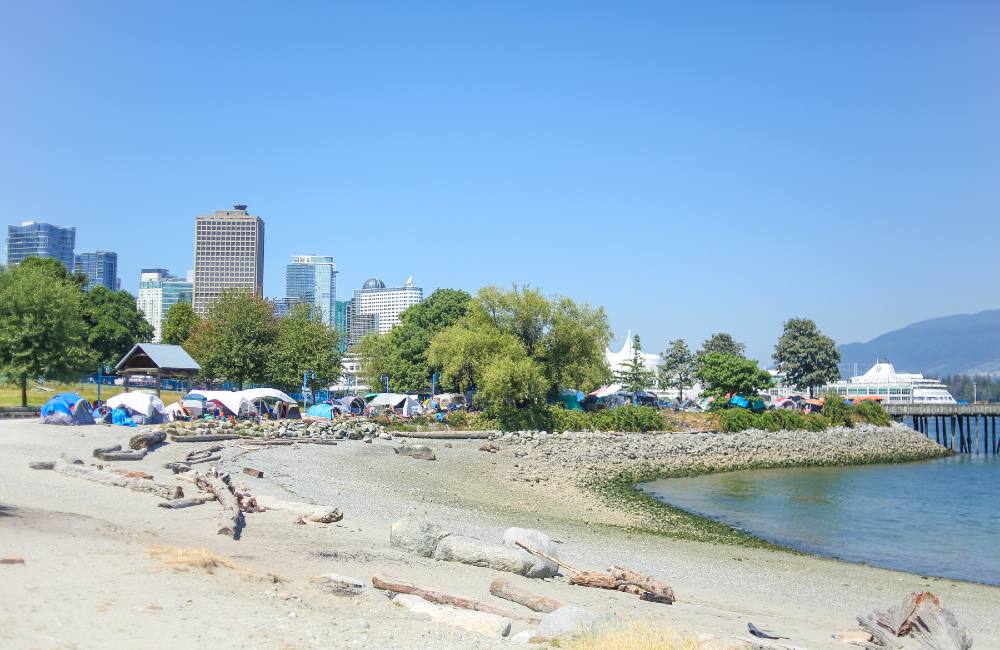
{"x":961,"y":344}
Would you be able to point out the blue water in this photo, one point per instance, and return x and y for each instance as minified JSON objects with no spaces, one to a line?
{"x":936,"y":518}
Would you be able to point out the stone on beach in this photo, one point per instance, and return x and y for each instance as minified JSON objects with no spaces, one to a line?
{"x":489,"y":625}
{"x":418,"y":536}
{"x":420,"y":452}
{"x":468,"y":550}
{"x":536,"y":539}
{"x":570,"y":621}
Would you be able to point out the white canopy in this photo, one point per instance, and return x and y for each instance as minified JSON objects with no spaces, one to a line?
{"x":143,"y":403}
{"x":259,"y":393}
{"x":235,"y":402}
{"x":606,"y":391}
{"x":408,"y":403}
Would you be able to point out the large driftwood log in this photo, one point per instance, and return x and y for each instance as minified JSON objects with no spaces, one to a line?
{"x":146,"y":440}
{"x":121,"y":455}
{"x":305,"y":511}
{"x":441,"y":598}
{"x":213,"y":437}
{"x":658,"y":591}
{"x":204,"y":459}
{"x":229,"y":520}
{"x":594,"y":579}
{"x":42,"y":464}
{"x":186,"y":503}
{"x":922,"y":616}
{"x":105,"y":477}
{"x":204,"y":452}
{"x":504,"y":588}
{"x":106,"y":450}
{"x":177,"y":467}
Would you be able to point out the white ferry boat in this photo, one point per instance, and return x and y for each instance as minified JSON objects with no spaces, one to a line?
{"x":893,"y":387}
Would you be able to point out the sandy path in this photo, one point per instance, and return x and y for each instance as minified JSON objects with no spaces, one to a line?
{"x":88,"y":581}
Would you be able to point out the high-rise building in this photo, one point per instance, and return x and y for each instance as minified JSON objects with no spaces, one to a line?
{"x":340,"y":323}
{"x":284,"y":305}
{"x":101,"y":269}
{"x":32,"y":239}
{"x":158,"y":292}
{"x":228,"y":254}
{"x":312,"y":279}
{"x":385,"y":303}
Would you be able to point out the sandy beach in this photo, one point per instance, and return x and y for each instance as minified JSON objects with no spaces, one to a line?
{"x":89,"y":580}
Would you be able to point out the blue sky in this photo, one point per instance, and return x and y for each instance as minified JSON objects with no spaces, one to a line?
{"x":699,"y":168}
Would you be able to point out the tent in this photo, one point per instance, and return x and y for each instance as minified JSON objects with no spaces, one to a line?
{"x":405,"y":405}
{"x":324,"y":410}
{"x":144,"y":408}
{"x":571,"y":399}
{"x":66,"y":408}
{"x":260,"y":396}
{"x":231,"y":403}
{"x":353,"y":404}
{"x":739,"y":401}
{"x":784,"y":403}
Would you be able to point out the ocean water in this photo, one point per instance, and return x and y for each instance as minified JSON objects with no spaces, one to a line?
{"x":936,"y":518}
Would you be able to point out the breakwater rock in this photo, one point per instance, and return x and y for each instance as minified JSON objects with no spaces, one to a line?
{"x":347,"y":428}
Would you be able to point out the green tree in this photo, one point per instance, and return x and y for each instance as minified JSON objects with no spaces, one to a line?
{"x":721,"y":343}
{"x":515,"y":383}
{"x":236,"y":338}
{"x":42,"y":329}
{"x":304,"y":343}
{"x":728,"y":374}
{"x":55,"y":268}
{"x":178,"y":323}
{"x":114,"y":324}
{"x":464,"y":353}
{"x":805,"y":357}
{"x":634,"y":376}
{"x":678,"y":368}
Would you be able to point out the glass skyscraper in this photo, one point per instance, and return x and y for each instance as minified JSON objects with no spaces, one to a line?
{"x":312,"y":279}
{"x":32,"y":239}
{"x":158,"y":292}
{"x":101,"y":268}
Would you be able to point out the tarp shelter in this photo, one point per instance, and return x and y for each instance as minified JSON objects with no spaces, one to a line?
{"x":353,"y":404}
{"x":144,"y":408}
{"x":739,"y":401}
{"x":324,"y":410}
{"x":232,"y":403}
{"x":66,"y":408}
{"x":405,"y":405}
{"x":283,"y":403}
{"x":784,"y":403}
{"x":158,"y":360}
{"x":448,"y":401}
{"x":572,"y":399}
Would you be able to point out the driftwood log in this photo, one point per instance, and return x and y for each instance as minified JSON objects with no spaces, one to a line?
{"x":594,"y":579}
{"x":231,"y":516}
{"x":627,"y":581}
{"x":71,"y":459}
{"x":42,"y":464}
{"x":212,"y":437}
{"x":504,"y":588}
{"x":396,"y":585}
{"x":250,"y":471}
{"x":922,"y":616}
{"x":204,"y":452}
{"x":177,"y":467}
{"x":106,"y":477}
{"x":187,"y":502}
{"x":146,"y":440}
{"x":204,"y":459}
{"x":115,"y":453}
{"x":305,"y":511}
{"x":106,"y":450}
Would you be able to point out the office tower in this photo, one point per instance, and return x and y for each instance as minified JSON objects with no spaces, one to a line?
{"x":340,"y":323}
{"x":101,"y":269}
{"x":158,"y":292}
{"x":387,"y":303}
{"x":228,"y":254}
{"x":32,"y":239}
{"x":312,"y":279}
{"x":284,"y":305}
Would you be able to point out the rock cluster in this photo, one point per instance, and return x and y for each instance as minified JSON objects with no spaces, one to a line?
{"x":338,"y":429}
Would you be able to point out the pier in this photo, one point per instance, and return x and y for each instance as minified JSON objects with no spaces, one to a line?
{"x":963,"y":428}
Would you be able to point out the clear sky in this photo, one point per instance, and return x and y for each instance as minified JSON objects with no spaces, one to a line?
{"x":698,"y":168}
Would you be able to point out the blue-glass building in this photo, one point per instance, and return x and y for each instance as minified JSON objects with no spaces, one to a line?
{"x":101,"y":269}
{"x":312,"y":279}
{"x":32,"y":239}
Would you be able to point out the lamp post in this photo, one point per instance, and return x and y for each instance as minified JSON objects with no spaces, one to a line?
{"x":385,"y":378}
{"x":306,"y":376}
{"x":975,"y":393}
{"x":100,"y":380}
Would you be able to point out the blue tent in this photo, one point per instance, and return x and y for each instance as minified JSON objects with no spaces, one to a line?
{"x":320,"y":411}
{"x":66,"y":408}
{"x":61,"y":403}
{"x":740,"y":401}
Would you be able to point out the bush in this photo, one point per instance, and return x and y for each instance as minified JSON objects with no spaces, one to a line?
{"x":873,"y":413}
{"x":736,"y":419}
{"x":564,"y":419}
{"x":837,"y":410}
{"x":733,"y":420}
{"x":628,"y":418}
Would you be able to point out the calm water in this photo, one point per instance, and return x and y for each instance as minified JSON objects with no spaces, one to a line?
{"x":938,"y":518}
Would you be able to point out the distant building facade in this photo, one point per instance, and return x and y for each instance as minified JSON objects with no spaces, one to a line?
{"x":342,"y":309}
{"x":101,"y":269}
{"x":158,"y":292}
{"x":386,"y":303}
{"x":32,"y":239}
{"x":228,"y":254}
{"x":312,"y":279}
{"x":284,"y":305}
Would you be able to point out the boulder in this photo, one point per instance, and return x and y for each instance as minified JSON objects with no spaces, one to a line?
{"x":418,"y":536}
{"x":536,"y":539}
{"x":523,"y":637}
{"x":421,"y":452}
{"x":490,"y":625}
{"x":569,"y":621}
{"x":468,"y":550}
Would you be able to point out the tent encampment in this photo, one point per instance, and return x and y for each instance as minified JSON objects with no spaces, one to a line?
{"x":144,"y":408}
{"x":405,"y":405}
{"x":284,"y":406}
{"x":353,"y":404}
{"x":324,"y":410}
{"x":66,"y":408}
{"x":232,"y":403}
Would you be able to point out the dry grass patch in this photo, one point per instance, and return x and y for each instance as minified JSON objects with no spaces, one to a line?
{"x":642,"y":635}
{"x":185,"y":559}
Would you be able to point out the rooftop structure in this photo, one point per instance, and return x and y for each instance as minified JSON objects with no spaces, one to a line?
{"x":31,"y":239}
{"x":228,"y":254}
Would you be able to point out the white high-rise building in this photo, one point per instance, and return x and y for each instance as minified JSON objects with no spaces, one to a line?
{"x":158,"y":292}
{"x":385,"y":304}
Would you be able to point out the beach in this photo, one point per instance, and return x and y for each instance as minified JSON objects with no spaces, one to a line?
{"x":89,"y":580}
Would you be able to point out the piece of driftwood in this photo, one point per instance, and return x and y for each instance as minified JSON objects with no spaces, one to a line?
{"x":396,"y":585}
{"x":250,"y":471}
{"x":205,"y":452}
{"x":105,"y":477}
{"x":211,"y":437}
{"x":535,"y":551}
{"x":187,"y":502}
{"x":146,"y":440}
{"x":11,"y":560}
{"x":42,"y":464}
{"x":657,"y":591}
{"x":267,"y":442}
{"x":922,"y":616}
{"x":128,"y":473}
{"x":205,"y":459}
{"x":231,"y":516}
{"x":306,"y":511}
{"x":937,"y":628}
{"x":594,"y":579}
{"x":106,"y":450}
{"x":504,"y":588}
{"x":177,"y":467}
{"x":69,"y":458}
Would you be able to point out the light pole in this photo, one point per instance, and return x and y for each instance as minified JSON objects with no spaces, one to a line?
{"x":975,"y":393}
{"x":305,"y":386}
{"x":386,"y":379}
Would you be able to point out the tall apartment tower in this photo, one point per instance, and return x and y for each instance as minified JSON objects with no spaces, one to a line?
{"x":32,"y":239}
{"x":228,"y":254}
{"x":101,"y":269}
{"x":158,"y":292}
{"x":376,"y":307}
{"x":313,"y":279}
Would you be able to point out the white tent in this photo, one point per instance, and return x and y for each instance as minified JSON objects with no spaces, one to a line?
{"x":142,"y":403}
{"x":236,"y":403}
{"x":406,"y":404}
{"x":261,"y":393}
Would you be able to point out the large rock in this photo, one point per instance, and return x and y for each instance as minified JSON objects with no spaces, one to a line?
{"x":422,"y":452}
{"x":569,"y":621}
{"x":536,"y":539}
{"x":468,"y":550}
{"x":417,"y":536}
{"x":491,"y":625}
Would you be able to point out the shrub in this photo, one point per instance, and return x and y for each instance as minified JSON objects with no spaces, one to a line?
{"x":837,"y":410}
{"x":733,"y":420}
{"x":628,"y":418}
{"x":564,"y":419}
{"x":873,"y":413}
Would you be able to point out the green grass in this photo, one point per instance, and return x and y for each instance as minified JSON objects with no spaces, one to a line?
{"x":11,"y":395}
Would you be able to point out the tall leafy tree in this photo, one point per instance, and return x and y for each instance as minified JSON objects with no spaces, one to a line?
{"x":634,"y":375}
{"x":42,"y":329}
{"x":722,"y":343}
{"x":178,"y":323}
{"x":728,"y":374}
{"x":114,"y":324}
{"x":678,"y":367}
{"x":304,"y":344}
{"x":236,"y":337}
{"x":805,"y":357}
